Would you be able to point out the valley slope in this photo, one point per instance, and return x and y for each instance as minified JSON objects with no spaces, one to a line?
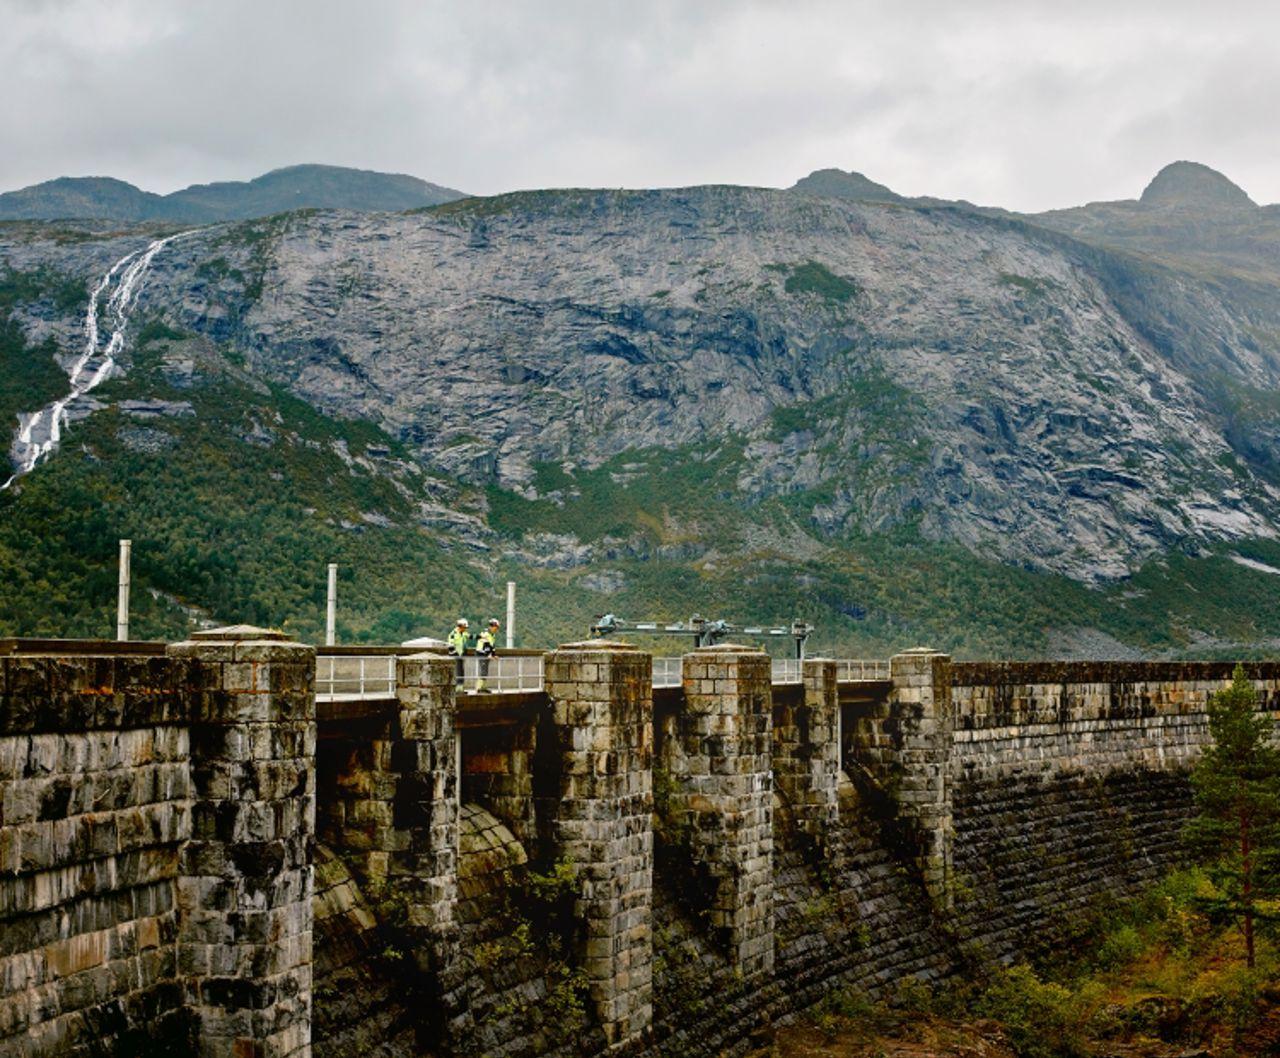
{"x":902,"y":420}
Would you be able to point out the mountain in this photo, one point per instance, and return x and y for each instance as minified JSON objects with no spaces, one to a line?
{"x":99,"y":197}
{"x":1190,"y":185}
{"x":835,"y":183}
{"x":295,"y":187}
{"x":310,"y":187}
{"x":906,"y":422}
{"x":1189,"y":215}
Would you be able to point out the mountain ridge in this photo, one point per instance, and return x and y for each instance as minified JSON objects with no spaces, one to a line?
{"x":280,"y":190}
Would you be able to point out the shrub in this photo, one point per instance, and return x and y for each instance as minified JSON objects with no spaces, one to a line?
{"x":1043,"y":1019}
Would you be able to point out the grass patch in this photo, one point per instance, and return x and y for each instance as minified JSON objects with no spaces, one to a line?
{"x":815,"y":278}
{"x":1036,"y":288}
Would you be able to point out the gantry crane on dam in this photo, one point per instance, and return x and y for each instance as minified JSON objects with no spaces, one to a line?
{"x":701,"y":631}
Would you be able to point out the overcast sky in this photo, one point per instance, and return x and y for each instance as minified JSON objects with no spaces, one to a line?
{"x":1030,"y":105}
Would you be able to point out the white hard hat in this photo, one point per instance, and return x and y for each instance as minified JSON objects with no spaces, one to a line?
{"x":463,"y":621}
{"x":493,"y":620}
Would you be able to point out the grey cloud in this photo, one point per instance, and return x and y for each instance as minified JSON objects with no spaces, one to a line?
{"x":1030,"y":105}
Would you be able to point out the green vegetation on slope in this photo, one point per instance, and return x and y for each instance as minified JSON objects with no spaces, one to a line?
{"x":30,"y":378}
{"x":236,"y":529}
{"x":812,"y":277}
{"x":235,"y":510}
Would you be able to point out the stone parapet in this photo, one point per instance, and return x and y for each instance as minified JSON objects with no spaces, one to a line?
{"x":718,"y":757}
{"x":602,"y":711}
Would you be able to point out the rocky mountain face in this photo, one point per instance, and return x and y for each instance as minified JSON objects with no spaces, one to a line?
{"x":775,"y":373}
{"x":295,"y":187}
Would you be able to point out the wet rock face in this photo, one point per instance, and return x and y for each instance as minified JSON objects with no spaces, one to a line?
{"x":1036,"y":400}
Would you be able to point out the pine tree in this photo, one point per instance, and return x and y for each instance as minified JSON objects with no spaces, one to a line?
{"x":1237,"y":790}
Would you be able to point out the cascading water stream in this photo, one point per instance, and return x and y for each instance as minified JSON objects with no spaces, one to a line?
{"x":39,"y":432}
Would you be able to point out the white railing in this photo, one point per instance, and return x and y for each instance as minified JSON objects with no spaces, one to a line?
{"x":668,"y":672}
{"x":368,"y":676}
{"x":352,"y":678}
{"x":518,"y":672}
{"x":848,"y":670}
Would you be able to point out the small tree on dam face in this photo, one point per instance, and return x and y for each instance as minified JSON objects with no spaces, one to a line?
{"x":1237,"y":791}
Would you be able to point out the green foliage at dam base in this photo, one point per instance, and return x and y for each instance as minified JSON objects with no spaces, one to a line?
{"x":1152,"y":976}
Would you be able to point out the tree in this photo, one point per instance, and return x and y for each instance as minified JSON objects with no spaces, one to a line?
{"x":1237,"y":790}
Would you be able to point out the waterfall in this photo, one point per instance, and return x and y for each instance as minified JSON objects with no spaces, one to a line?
{"x":40,"y":431}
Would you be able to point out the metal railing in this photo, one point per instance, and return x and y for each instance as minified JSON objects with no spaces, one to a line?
{"x":668,"y":672}
{"x":851,"y":669}
{"x":354,"y":678}
{"x":507,"y":674}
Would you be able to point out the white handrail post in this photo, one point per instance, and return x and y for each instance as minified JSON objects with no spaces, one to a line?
{"x":331,"y":616}
{"x":122,"y":597}
{"x":511,"y":614}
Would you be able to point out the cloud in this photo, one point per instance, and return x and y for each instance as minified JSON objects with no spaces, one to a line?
{"x":1029,"y":105}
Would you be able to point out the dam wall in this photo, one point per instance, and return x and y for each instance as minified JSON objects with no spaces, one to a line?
{"x":156,"y":819}
{"x":599,"y":866}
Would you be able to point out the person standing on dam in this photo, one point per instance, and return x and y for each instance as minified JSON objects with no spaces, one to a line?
{"x":486,"y":644}
{"x":457,"y":640}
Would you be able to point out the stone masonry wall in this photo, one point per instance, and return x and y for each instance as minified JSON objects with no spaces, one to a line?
{"x":806,"y":751}
{"x":157,"y":822}
{"x":156,"y":850}
{"x":497,"y":772}
{"x":95,"y":804}
{"x":1070,"y":786}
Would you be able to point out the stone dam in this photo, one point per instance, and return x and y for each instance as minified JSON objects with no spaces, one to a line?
{"x":197,"y":857}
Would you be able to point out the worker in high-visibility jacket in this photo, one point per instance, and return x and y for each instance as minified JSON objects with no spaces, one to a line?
{"x":457,"y":641}
{"x":486,"y":644}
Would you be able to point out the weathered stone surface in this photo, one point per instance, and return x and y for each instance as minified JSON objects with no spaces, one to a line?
{"x":806,"y":748}
{"x":244,"y":887}
{"x":717,"y":752}
{"x":156,"y":860}
{"x":360,"y":1003}
{"x":95,"y":806}
{"x":602,"y":707}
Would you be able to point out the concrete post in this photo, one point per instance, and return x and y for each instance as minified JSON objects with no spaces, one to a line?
{"x":245,"y":877}
{"x":331,"y":608}
{"x":920,"y":734}
{"x":122,"y":595}
{"x":806,"y":749}
{"x":602,"y":709}
{"x":719,"y":758}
